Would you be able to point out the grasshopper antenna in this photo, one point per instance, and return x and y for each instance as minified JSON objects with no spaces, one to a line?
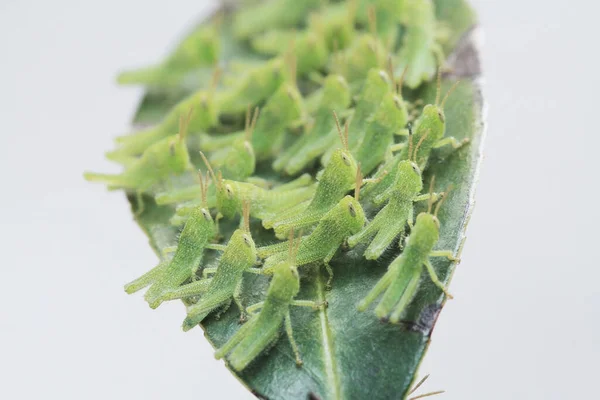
{"x":438,"y":91}
{"x":418,"y":385}
{"x":215,"y":78}
{"x":430,"y":203}
{"x":410,"y":142}
{"x":246,"y":215}
{"x":449,"y":93}
{"x":390,"y":65}
{"x":419,"y":143}
{"x":203,"y":187}
{"x":184,"y":122}
{"x":372,"y":20}
{"x":343,"y":137}
{"x":400,"y":82}
{"x":251,"y":125}
{"x":359,"y":182}
{"x":210,"y":170}
{"x":439,"y":204}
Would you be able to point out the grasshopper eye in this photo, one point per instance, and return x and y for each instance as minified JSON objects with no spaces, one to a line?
{"x":441,"y":116}
{"x":229,"y":191}
{"x":248,"y":147}
{"x":290,"y":95}
{"x":172,"y":149}
{"x":345,"y":159}
{"x":352,"y":210}
{"x":247,"y":241}
{"x":206,"y":215}
{"x":382,"y":75}
{"x":437,"y":222}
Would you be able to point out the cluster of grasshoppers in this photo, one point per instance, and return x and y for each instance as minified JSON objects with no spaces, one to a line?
{"x":348,"y":51}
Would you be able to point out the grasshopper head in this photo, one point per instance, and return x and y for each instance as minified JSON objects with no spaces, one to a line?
{"x":241,"y":249}
{"x":352,"y":214}
{"x":336,"y":93}
{"x":228,"y":201}
{"x":408,"y":179}
{"x":174,"y":154}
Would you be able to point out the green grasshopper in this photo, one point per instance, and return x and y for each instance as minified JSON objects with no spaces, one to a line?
{"x":282,"y":109}
{"x":252,"y":84}
{"x":238,"y":256}
{"x":231,"y":195}
{"x":309,"y":48}
{"x":336,"y":96}
{"x":199,"y":49}
{"x":199,"y":230}
{"x":205,"y":115}
{"x":375,"y":87}
{"x":336,"y":180}
{"x":236,"y":163}
{"x":390,"y":221}
{"x":164,"y":158}
{"x":257,"y":18}
{"x":386,"y":13}
{"x":364,"y":53}
{"x":262,"y":329}
{"x":342,"y":221}
{"x":389,"y":119}
{"x":429,"y":131}
{"x":419,"y":48}
{"x":401,"y":280}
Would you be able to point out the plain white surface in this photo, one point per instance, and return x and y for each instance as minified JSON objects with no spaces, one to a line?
{"x":525,"y":321}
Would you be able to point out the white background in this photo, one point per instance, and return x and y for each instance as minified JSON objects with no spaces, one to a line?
{"x":525,"y":321}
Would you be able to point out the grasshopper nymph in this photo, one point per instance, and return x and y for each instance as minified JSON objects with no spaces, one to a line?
{"x":205,"y":115}
{"x":198,"y":231}
{"x":238,"y":256}
{"x":339,"y":223}
{"x":262,"y":329}
{"x":161,"y":160}
{"x":401,"y":280}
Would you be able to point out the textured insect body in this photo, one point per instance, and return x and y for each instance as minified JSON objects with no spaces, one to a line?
{"x":376,"y":85}
{"x":199,"y":230}
{"x":199,"y":49}
{"x":400,"y":282}
{"x":164,"y":158}
{"x":386,"y":14}
{"x":365,"y":53}
{"x":309,"y":48}
{"x":236,"y":163}
{"x":391,"y":220}
{"x":337,"y":179}
{"x":231,"y":195}
{"x":252,"y":86}
{"x":322,"y":135}
{"x":335,"y":23}
{"x":428,"y":133}
{"x":269,"y":15}
{"x":262,"y":329}
{"x":238,"y":257}
{"x":204,"y":115}
{"x":280,"y":111}
{"x":390,"y":118}
{"x":419,"y":50}
{"x":339,"y":223}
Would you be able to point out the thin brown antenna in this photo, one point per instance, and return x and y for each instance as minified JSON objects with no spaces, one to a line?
{"x":372,"y":20}
{"x":390,"y":65}
{"x":421,"y":396}
{"x":343,"y":138}
{"x":246,"y":215}
{"x":400,"y":82}
{"x":439,"y":204}
{"x":184,"y":122}
{"x":202,"y":188}
{"x":252,"y":126}
{"x":439,"y":86}
{"x":215,"y":78}
{"x":430,"y":202}
{"x":418,"y":385}
{"x":410,"y":144}
{"x":247,"y":121}
{"x":210,"y":170}
{"x":290,"y":58}
{"x":419,"y":143}
{"x":358,"y":183}
{"x":448,"y":94}
{"x":297,"y":247}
